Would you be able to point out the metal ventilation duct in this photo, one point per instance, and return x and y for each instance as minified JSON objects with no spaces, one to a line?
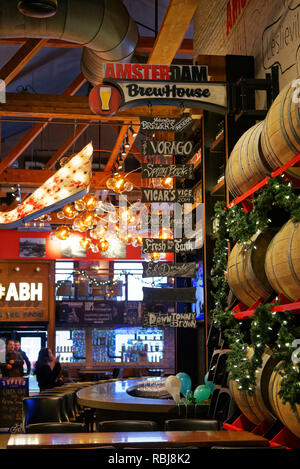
{"x":38,"y":8}
{"x":103,"y":27}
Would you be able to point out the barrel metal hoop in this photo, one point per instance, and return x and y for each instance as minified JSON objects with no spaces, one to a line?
{"x":283,"y":127}
{"x":290,"y":261}
{"x":275,"y":279}
{"x":293,"y":130}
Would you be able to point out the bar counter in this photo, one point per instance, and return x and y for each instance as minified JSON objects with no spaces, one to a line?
{"x":176,"y":439}
{"x":113,"y":395}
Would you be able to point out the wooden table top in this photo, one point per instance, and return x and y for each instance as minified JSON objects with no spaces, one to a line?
{"x":112,"y":395}
{"x":136,"y":439}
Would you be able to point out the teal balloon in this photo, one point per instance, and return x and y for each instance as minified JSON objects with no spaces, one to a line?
{"x":211,"y":385}
{"x":186,"y":383}
{"x":202,"y":393}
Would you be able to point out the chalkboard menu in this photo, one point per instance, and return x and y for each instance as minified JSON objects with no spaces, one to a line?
{"x":12,"y":392}
{"x":152,"y":319}
{"x":100,"y":313}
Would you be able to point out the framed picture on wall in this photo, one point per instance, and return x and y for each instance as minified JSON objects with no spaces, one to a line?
{"x":32,"y":247}
{"x":70,"y":248}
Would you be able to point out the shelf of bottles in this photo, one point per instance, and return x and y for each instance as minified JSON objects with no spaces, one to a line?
{"x":125,"y":345}
{"x":70,"y":345}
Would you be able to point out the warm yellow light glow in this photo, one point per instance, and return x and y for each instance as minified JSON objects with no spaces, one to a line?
{"x":85,"y":243}
{"x":103,"y":245}
{"x":62,"y":232}
{"x":154,"y":256}
{"x":167,"y":183}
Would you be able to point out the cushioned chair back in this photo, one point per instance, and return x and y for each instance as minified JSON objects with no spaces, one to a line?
{"x":191,"y":424}
{"x":127,"y":426}
{"x":42,"y":409}
{"x":53,"y":427}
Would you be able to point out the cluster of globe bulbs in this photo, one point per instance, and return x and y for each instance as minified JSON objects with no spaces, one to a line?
{"x":87,"y":216}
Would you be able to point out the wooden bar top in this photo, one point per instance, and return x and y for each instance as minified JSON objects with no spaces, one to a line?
{"x":136,"y":439}
{"x":112,"y":395}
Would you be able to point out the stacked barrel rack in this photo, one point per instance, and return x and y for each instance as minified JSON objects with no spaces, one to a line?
{"x":251,"y":148}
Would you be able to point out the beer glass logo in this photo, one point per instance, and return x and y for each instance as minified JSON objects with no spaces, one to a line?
{"x":104,"y":99}
{"x":105,"y":95}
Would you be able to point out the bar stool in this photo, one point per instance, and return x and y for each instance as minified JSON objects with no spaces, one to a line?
{"x":127,"y":426}
{"x":40,"y":409}
{"x":56,"y":427}
{"x":191,"y":424}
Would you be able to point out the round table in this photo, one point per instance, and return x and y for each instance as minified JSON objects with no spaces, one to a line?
{"x":112,"y":395}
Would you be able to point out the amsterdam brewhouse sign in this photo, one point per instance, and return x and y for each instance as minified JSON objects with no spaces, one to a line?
{"x":127,"y":85}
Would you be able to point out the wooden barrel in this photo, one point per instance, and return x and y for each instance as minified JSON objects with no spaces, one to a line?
{"x":282,"y":264}
{"x":285,"y":413}
{"x":280,"y":138}
{"x":257,"y":407}
{"x":246,"y":165}
{"x":245,"y":270}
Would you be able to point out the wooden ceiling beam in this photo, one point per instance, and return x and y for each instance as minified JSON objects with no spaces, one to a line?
{"x":32,"y":134}
{"x":144,"y":46}
{"x":11,"y":69}
{"x":34,"y":178}
{"x":172,"y":31}
{"x":45,"y":106}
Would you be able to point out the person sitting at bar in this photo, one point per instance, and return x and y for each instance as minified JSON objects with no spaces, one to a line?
{"x":24,"y":356}
{"x":48,"y":370}
{"x":13,"y":362}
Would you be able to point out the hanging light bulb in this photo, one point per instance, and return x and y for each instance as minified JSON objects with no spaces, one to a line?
{"x":126,"y":237}
{"x":78,"y":224}
{"x":90,"y":202}
{"x":165,"y":233}
{"x":138,"y":241}
{"x":110,"y":184}
{"x":98,"y":232}
{"x":128,"y":186}
{"x":79,"y":205}
{"x":69,"y":211}
{"x":119,"y":183}
{"x":154,"y":256}
{"x":134,"y":133}
{"x":85,"y":243}
{"x":123,"y":151}
{"x":167,"y":183}
{"x":103,"y":245}
{"x":62,"y":232}
{"x":127,"y":145}
{"x":126,"y":216}
{"x":87,"y":219}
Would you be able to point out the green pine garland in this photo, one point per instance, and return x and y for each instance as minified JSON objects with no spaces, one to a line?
{"x":276,"y":330}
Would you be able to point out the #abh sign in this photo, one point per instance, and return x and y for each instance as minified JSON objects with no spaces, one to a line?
{"x":182,"y":196}
{"x":167,"y":245}
{"x":161,"y":147}
{"x":150,"y":170}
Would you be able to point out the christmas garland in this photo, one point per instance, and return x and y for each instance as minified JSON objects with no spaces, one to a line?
{"x":276,"y":330}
